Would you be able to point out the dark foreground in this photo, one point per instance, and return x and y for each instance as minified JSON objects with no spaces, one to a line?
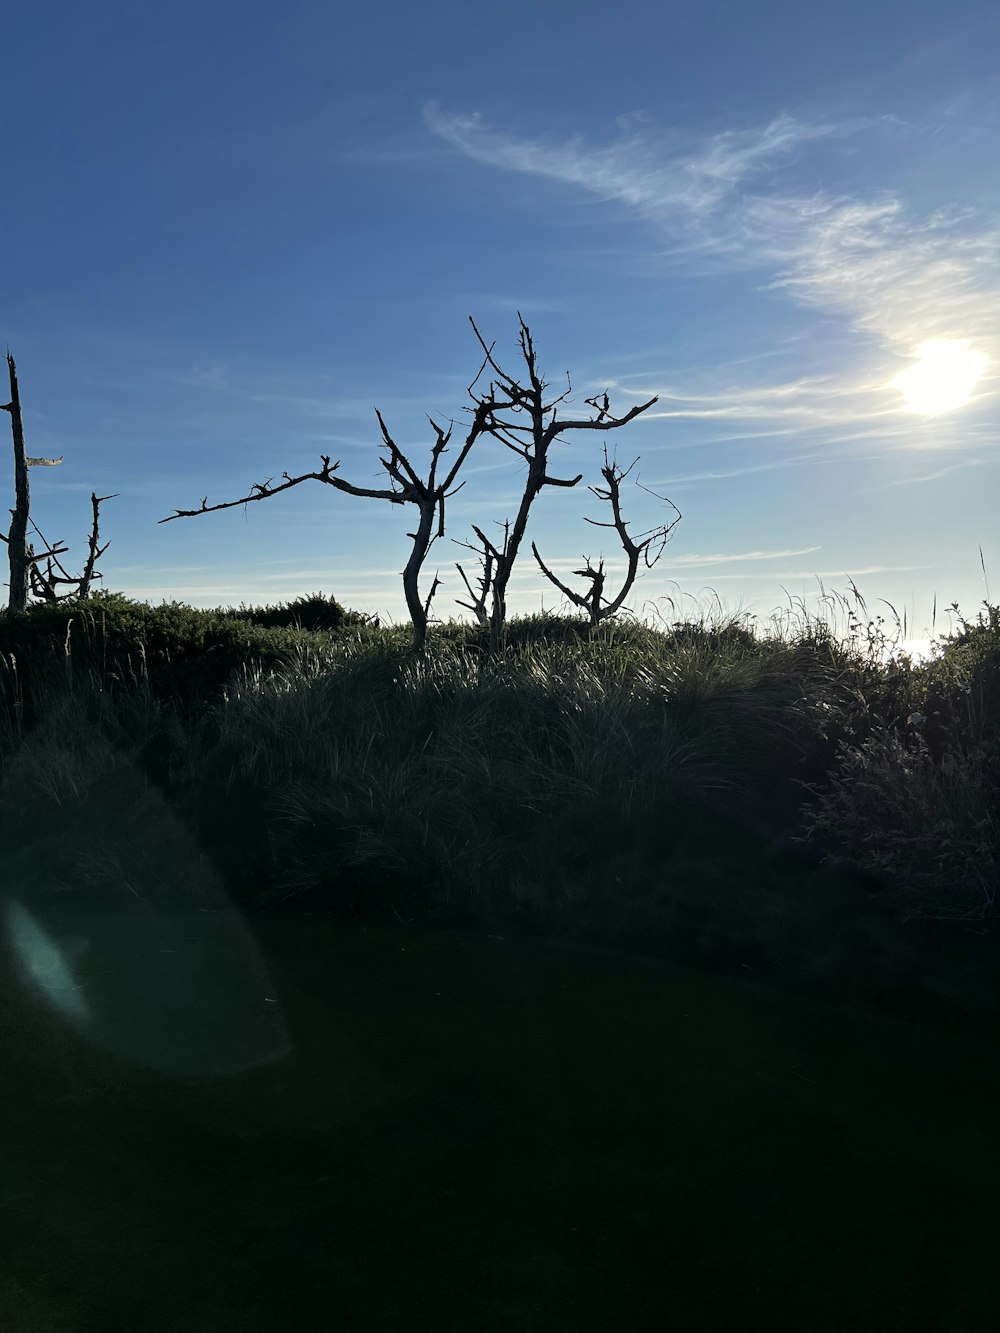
{"x":439,"y":1130}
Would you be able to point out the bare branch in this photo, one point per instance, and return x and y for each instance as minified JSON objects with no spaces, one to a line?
{"x":491,"y":554}
{"x":612,"y":423}
{"x":512,"y":384}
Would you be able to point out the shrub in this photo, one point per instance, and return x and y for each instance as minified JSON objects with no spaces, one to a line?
{"x":930,"y":827}
{"x":181,"y":652}
{"x":315,"y":612}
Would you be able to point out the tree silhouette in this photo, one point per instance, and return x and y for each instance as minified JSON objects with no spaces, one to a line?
{"x":489,"y":417}
{"x":24,"y":561}
{"x":592,"y":601}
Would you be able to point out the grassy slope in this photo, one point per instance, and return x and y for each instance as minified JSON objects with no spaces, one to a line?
{"x":478,"y":1134}
{"x":472,"y":1133}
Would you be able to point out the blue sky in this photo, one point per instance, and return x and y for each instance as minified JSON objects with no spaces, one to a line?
{"x":231,"y":231}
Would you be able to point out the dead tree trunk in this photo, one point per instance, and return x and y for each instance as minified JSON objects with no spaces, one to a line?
{"x":538,"y":435}
{"x":592,"y":602}
{"x":24,"y":571}
{"x":21,"y":558}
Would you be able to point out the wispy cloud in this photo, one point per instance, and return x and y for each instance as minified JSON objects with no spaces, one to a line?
{"x":528,"y":306}
{"x":893,"y":273}
{"x":317,"y":403}
{"x":812,"y":400}
{"x":899,"y":277}
{"x":723,"y":559}
{"x":942,"y":472}
{"x":661,"y":178}
{"x":616,"y":561}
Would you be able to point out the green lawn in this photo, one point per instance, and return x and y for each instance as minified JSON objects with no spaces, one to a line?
{"x":477,"y":1134}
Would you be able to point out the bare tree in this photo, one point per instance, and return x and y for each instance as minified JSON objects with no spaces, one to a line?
{"x":505,"y":395}
{"x":425,"y":495}
{"x":592,"y":601}
{"x":23,"y":559}
{"x":509,"y":395}
{"x":44,"y":585}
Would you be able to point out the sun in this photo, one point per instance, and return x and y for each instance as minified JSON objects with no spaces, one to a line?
{"x":943,"y":378}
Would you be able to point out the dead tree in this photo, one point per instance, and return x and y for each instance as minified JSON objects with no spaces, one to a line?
{"x":592,"y":602}
{"x":44,"y":585}
{"x":509,"y":395}
{"x":24,"y":561}
{"x":505,"y":395}
{"x":425,"y":495}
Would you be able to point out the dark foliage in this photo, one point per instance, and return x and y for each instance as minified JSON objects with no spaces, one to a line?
{"x":186,"y":655}
{"x":316,"y":612}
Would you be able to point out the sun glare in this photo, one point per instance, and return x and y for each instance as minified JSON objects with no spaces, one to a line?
{"x":943,"y":378}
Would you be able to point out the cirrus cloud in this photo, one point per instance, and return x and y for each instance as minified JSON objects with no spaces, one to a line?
{"x":894,"y":274}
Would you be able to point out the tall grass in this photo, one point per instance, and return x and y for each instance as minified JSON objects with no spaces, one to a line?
{"x":669,"y":788}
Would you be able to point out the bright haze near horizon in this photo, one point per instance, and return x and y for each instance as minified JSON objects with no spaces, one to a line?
{"x":232,"y":231}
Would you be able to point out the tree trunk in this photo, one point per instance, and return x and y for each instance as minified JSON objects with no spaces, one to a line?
{"x":17,"y":542}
